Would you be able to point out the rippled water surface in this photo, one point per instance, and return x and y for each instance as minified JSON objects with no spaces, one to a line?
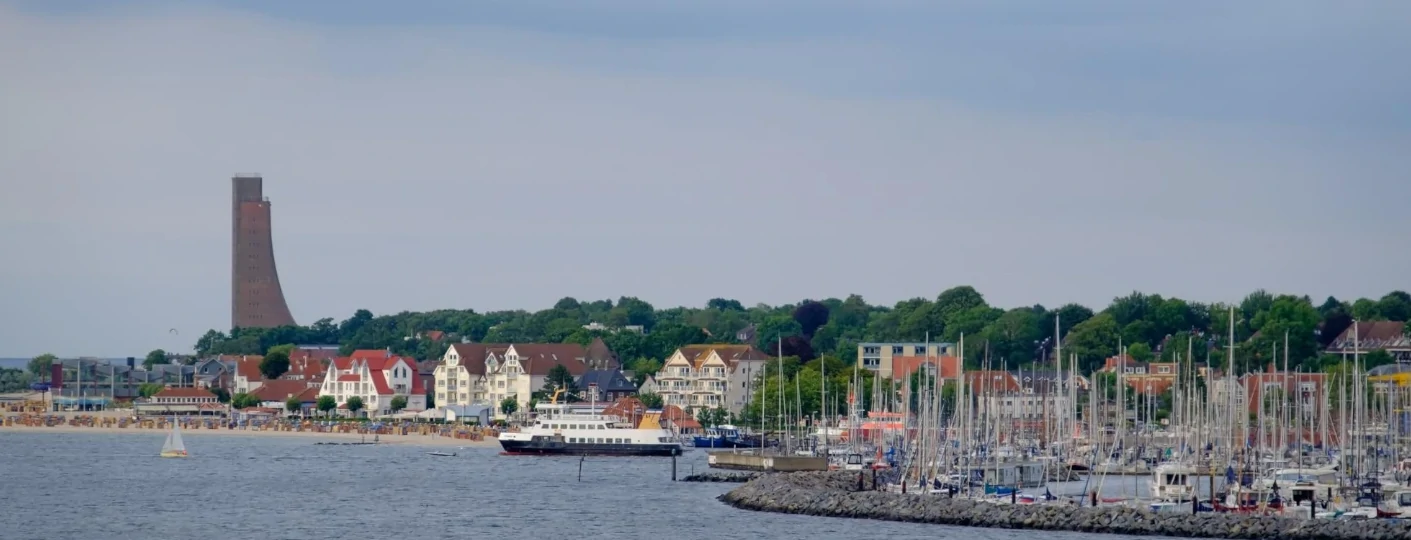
{"x":95,"y":486}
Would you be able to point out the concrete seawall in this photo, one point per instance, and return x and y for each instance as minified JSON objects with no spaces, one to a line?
{"x":834,"y":494}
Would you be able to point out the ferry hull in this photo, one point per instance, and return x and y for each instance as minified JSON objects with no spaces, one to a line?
{"x":553,"y":448}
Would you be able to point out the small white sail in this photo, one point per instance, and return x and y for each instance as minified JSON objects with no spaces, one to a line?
{"x":173,"y":447}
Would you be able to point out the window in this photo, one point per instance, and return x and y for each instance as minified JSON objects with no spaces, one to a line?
{"x":898,"y":349}
{"x":920,"y":350}
{"x":872,"y":350}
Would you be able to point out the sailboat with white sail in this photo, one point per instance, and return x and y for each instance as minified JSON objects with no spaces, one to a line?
{"x":174,"y":447}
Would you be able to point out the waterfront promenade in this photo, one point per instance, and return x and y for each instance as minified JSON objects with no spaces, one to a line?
{"x":384,"y":432}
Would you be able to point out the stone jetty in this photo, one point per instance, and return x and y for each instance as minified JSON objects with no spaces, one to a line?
{"x":736,"y":477}
{"x":836,"y":494}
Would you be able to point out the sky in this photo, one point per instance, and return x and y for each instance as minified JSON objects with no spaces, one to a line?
{"x":502,"y":155}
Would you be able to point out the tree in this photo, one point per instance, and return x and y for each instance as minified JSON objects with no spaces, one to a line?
{"x":724,"y":304}
{"x":222,"y":395}
{"x":1014,"y":336}
{"x":650,"y":400}
{"x":560,"y":378}
{"x":643,"y":368}
{"x":208,"y":342}
{"x":275,"y":363}
{"x":712,"y":417}
{"x":509,"y":406}
{"x":293,"y":405}
{"x":1395,"y":306}
{"x":244,"y":401}
{"x":157,"y":356}
{"x":1092,"y":341}
{"x":810,"y":315}
{"x":955,"y":300}
{"x":1140,"y":352}
{"x":354,"y":405}
{"x":15,"y":380}
{"x":769,"y":331}
{"x":39,"y":365}
{"x":399,"y":403}
{"x":1367,"y":310}
{"x":325,"y":404}
{"x":1377,"y":358}
{"x":149,"y":389}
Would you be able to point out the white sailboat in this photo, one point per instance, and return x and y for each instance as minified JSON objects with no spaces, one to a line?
{"x":173,"y":447}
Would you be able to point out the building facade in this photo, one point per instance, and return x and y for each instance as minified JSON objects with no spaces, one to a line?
{"x":698,"y":377}
{"x":256,"y":299}
{"x":489,"y":373}
{"x":878,"y":356}
{"x":377,"y":377}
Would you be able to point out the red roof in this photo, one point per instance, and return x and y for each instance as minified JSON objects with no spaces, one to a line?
{"x":305,"y":366}
{"x":309,"y":395}
{"x":365,"y":354}
{"x":186,"y":392}
{"x":279,"y":390}
{"x":379,"y":382}
{"x":350,"y":378}
{"x":249,"y":367}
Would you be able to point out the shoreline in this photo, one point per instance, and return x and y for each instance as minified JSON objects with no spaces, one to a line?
{"x":410,"y":440}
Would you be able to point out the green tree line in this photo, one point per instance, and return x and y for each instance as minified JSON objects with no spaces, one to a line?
{"x":1151,"y":326}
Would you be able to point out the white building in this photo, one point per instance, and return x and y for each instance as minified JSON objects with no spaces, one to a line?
{"x":474,"y":373}
{"x":247,"y":374}
{"x":698,"y":377}
{"x":377,"y":377}
{"x":1025,"y":406}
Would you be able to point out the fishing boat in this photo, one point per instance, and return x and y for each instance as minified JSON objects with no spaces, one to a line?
{"x":725,"y":436}
{"x":174,"y":447}
{"x":558,"y":430}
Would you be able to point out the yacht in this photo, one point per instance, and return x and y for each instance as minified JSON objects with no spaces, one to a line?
{"x":560,"y":430}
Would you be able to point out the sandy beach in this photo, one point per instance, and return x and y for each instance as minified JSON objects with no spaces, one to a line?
{"x":418,"y":440}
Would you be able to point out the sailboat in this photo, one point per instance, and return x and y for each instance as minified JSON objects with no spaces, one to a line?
{"x":173,"y":447}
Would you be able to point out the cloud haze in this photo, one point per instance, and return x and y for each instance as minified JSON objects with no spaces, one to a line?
{"x":504,"y":155}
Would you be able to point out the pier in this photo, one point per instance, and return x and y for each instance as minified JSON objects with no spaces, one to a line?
{"x":765,"y":462}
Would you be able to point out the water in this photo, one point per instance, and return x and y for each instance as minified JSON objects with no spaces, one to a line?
{"x":83,"y":486}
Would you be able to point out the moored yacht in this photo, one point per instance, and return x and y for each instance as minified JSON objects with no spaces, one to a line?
{"x":559,"y":430}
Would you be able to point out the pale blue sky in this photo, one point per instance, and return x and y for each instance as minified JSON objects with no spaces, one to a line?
{"x":496,"y":155}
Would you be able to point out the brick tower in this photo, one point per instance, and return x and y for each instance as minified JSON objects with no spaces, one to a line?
{"x":256,"y":300}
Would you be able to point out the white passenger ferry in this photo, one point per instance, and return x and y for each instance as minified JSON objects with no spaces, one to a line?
{"x":559,"y":430}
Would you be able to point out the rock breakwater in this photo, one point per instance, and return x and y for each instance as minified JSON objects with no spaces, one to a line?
{"x":722,"y":477}
{"x":836,"y":494}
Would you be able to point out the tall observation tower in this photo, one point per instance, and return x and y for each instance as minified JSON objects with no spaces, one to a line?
{"x":256,"y":300}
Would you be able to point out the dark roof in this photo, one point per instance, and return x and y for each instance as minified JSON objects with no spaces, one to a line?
{"x":599,"y":354}
{"x":608,"y":380}
{"x":1372,"y":335}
